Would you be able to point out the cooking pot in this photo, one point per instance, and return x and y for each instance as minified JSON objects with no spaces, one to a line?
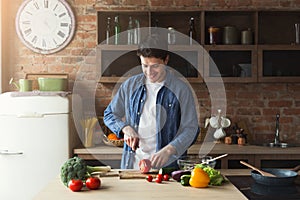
{"x":52,"y":84}
{"x":282,"y":177}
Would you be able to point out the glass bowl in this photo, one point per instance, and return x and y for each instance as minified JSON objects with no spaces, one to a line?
{"x":189,"y":162}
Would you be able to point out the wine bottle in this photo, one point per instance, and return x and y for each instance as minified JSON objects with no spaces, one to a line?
{"x":108,"y":30}
{"x":137,"y":32}
{"x":117,"y":30}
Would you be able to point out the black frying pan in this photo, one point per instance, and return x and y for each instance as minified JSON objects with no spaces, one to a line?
{"x":283,"y":177}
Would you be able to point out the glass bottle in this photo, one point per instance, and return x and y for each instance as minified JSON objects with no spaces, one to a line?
{"x":130,"y":32}
{"x":171,"y":35}
{"x":192,"y":31}
{"x":137,"y":32}
{"x":107,"y":30}
{"x":117,"y":30}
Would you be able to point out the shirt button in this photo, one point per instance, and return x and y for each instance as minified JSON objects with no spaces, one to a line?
{"x":170,"y":105}
{"x":138,"y":113}
{"x":135,"y":126}
{"x":142,"y":100}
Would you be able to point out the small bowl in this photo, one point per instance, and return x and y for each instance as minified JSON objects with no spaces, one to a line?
{"x":189,"y":162}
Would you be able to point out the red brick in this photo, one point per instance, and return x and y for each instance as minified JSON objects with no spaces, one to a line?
{"x":135,"y":2}
{"x":280,"y":103}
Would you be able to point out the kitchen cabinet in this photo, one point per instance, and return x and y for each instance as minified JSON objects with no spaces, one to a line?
{"x":278,"y":53}
{"x":270,"y":56}
{"x":120,"y":61}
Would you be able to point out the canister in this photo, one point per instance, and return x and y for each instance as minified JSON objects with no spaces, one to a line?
{"x":247,"y":36}
{"x":214,"y":35}
{"x":230,"y":35}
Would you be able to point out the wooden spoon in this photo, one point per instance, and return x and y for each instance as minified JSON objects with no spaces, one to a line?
{"x":258,"y":170}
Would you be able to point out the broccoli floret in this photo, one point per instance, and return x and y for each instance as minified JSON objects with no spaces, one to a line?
{"x":76,"y":168}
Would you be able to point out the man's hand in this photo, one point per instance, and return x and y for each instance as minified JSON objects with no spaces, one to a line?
{"x":131,"y":137}
{"x":160,"y":158}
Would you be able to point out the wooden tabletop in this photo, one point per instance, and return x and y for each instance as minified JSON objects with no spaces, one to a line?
{"x":114,"y":188}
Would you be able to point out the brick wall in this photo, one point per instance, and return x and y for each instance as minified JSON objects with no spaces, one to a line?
{"x":256,"y":104}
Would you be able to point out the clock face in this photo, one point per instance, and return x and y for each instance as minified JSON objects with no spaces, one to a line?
{"x":45,"y":26}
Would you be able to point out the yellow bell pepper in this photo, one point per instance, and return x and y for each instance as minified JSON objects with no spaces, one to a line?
{"x":199,"y":178}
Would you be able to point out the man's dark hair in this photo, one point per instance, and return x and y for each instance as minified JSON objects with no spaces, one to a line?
{"x":153,"y":46}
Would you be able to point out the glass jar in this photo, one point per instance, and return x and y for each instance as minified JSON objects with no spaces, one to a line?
{"x":214,"y":35}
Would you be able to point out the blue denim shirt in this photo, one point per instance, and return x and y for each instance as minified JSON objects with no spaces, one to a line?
{"x":176,"y":119}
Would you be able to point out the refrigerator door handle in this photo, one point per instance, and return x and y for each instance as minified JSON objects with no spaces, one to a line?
{"x":8,"y":153}
{"x":30,"y":115}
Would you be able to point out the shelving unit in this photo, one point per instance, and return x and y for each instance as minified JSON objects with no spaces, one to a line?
{"x":273,"y":55}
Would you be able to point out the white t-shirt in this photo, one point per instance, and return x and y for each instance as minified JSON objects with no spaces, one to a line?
{"x":147,"y":126}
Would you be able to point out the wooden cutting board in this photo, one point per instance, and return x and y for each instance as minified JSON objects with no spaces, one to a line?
{"x":134,"y":174}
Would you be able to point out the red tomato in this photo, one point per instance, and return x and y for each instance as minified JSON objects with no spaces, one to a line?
{"x":149,"y":178}
{"x":145,"y":165}
{"x":160,"y":176}
{"x":158,"y":180}
{"x":166,"y":177}
{"x":75,"y":185}
{"x":93,"y":183}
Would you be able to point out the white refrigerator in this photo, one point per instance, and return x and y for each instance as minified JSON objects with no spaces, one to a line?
{"x":34,"y":143}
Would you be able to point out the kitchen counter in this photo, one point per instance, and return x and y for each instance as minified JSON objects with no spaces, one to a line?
{"x":251,"y":153}
{"x":114,"y":188}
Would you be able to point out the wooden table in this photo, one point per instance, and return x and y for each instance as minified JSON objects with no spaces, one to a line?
{"x":251,"y":153}
{"x":114,"y":188}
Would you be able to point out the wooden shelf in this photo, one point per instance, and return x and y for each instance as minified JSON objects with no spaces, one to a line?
{"x":273,"y":33}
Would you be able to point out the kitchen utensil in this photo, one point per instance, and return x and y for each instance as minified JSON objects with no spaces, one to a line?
{"x":213,"y":159}
{"x":247,"y":36}
{"x":230,"y":35}
{"x":189,"y":162}
{"x":225,"y":122}
{"x":34,"y":77}
{"x":88,"y":126}
{"x":135,"y":174}
{"x":282,"y":177}
{"x":52,"y":84}
{"x":267,"y":174}
{"x":24,"y":85}
{"x":297,"y":30}
{"x":219,"y":133}
{"x":274,"y":191}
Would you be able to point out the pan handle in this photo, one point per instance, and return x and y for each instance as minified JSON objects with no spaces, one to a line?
{"x":297,"y":168}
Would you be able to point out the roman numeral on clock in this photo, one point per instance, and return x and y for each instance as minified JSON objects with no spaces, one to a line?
{"x":34,"y":39}
{"x":61,"y":34}
{"x":46,"y":3}
{"x":36,"y":5}
{"x":64,"y":24}
{"x":28,"y":31}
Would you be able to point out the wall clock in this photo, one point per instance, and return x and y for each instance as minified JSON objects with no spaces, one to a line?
{"x":45,"y":26}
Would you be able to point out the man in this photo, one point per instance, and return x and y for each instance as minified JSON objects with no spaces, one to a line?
{"x":154,"y":111}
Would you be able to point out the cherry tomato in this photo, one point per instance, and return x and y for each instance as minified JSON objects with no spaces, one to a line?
{"x":75,"y":185}
{"x":160,"y":176}
{"x":93,"y":183}
{"x":158,"y":180}
{"x":166,"y":177}
{"x":149,"y":178}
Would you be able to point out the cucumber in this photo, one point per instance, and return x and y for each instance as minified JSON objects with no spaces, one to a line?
{"x":166,"y":170}
{"x":185,"y":180}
